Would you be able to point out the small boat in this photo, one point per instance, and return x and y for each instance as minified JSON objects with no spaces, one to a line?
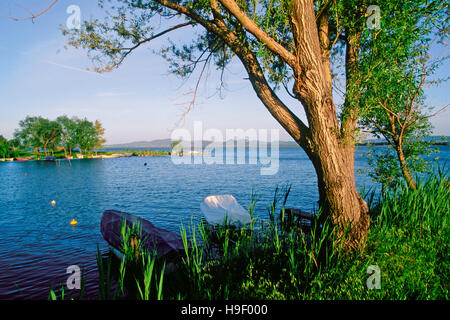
{"x":50,"y":158}
{"x":9,"y":159}
{"x":127,"y":154}
{"x":220,"y":208}
{"x":22,"y":159}
{"x":68,"y":157}
{"x":110,"y":156}
{"x":165,"y":242}
{"x":2,"y":159}
{"x":80,"y":156}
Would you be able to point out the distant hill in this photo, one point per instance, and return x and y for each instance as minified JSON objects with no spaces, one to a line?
{"x":165,"y":143}
{"x":436,"y":140}
{"x":161,"y":143}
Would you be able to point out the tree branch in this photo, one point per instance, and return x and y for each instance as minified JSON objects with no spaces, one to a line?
{"x":260,"y":34}
{"x":33,"y":16}
{"x":129,"y":50}
{"x":288,"y":120}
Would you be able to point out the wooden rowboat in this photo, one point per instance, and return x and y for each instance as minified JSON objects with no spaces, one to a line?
{"x":165,"y":242}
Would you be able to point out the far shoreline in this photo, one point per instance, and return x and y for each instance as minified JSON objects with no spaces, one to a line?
{"x":24,"y":156}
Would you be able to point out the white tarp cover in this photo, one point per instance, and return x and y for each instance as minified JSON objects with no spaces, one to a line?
{"x":216,"y":208}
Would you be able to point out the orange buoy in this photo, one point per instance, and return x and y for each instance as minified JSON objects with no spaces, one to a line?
{"x":73,"y":222}
{"x":53,"y":202}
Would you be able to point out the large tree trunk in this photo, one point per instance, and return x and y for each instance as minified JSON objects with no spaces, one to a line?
{"x":332,"y":156}
{"x":338,"y":196}
{"x":331,"y":152}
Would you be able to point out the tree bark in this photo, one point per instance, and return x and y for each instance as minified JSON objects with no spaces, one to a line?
{"x":331,"y":154}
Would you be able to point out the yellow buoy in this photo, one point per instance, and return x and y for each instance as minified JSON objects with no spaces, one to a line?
{"x":73,"y":222}
{"x":53,"y":202}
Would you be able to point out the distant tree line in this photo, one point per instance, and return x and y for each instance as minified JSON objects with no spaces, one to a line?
{"x":64,"y":133}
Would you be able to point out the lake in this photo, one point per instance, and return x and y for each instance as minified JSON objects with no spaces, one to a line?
{"x":37,"y":243}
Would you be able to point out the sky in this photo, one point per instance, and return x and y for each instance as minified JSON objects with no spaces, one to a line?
{"x":139,"y":101}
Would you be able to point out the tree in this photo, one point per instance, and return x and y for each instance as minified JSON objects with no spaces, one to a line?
{"x":38,"y":132}
{"x":32,"y":15}
{"x":395,"y":65}
{"x":279,"y":43}
{"x":48,"y":133}
{"x":4,"y":147}
{"x":85,"y":135}
{"x":99,"y":139}
{"x":176,"y":148}
{"x":68,"y":129}
{"x":27,"y":133}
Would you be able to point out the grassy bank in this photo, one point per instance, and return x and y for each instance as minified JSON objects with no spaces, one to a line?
{"x":407,"y":241}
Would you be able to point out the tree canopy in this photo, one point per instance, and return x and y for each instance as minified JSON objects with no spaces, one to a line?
{"x":63,"y":133}
{"x":396,"y":63}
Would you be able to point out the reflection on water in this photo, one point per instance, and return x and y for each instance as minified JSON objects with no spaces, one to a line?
{"x":37,"y":242}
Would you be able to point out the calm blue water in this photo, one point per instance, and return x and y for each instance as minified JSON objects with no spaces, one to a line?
{"x":37,"y":243}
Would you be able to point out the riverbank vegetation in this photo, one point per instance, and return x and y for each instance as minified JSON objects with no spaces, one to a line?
{"x":274,"y":259}
{"x":34,"y":155}
{"x":64,"y":137}
{"x":62,"y":134}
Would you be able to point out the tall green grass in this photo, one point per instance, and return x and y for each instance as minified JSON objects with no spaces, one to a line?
{"x":408,"y":241}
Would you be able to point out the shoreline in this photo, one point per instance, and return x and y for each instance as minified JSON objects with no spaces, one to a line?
{"x":29,"y":156}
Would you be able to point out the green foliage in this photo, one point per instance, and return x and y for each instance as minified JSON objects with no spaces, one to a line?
{"x":384,"y":164}
{"x":68,"y":129}
{"x":131,"y":24}
{"x":27,"y":133}
{"x":99,"y":139}
{"x":176,"y":147}
{"x":85,"y":135}
{"x":5,"y":148}
{"x":66,"y":133}
{"x":395,"y":64}
{"x":406,"y":240}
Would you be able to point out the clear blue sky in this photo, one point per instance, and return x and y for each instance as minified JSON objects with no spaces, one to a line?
{"x":138,"y":101}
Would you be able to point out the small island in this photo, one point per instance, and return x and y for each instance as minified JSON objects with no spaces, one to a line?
{"x":38,"y":138}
